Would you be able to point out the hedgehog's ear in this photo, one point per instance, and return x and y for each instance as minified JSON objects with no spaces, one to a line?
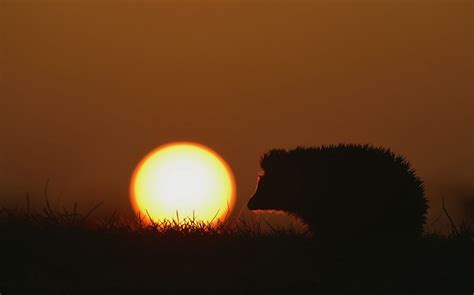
{"x":272,"y":158}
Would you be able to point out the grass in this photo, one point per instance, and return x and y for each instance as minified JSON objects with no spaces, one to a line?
{"x":67,"y":252}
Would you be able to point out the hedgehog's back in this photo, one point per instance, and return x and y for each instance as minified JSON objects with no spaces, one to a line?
{"x":363,"y":189}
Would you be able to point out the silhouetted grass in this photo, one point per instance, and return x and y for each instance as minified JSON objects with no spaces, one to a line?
{"x":67,"y":252}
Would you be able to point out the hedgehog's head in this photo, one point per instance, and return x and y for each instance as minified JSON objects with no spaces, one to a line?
{"x":278,"y":183}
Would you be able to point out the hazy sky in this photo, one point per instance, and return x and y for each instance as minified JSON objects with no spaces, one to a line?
{"x":89,"y":87}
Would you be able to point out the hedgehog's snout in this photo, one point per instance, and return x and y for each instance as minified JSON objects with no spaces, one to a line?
{"x":252,"y":204}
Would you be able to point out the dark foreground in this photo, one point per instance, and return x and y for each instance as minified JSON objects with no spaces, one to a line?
{"x":51,"y":253}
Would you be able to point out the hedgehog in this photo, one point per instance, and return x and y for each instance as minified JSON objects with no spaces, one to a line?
{"x":343,"y":191}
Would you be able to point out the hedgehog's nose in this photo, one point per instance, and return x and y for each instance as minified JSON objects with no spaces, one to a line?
{"x":251,"y":204}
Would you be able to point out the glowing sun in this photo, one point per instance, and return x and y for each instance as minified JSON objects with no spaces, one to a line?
{"x":184,"y":178}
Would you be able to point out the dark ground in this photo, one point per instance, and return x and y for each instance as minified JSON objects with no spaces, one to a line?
{"x":64,"y":253}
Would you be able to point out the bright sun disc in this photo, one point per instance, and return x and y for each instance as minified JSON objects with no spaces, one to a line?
{"x":184,"y":178}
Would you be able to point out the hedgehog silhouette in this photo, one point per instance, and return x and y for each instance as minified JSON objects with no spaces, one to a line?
{"x":343,"y":191}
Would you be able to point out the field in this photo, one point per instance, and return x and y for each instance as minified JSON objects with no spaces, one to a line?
{"x":65,"y":252}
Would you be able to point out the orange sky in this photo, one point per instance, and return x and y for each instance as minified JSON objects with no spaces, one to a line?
{"x":89,"y":87}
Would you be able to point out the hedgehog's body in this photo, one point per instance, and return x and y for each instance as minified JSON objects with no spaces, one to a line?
{"x":346,"y":191}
